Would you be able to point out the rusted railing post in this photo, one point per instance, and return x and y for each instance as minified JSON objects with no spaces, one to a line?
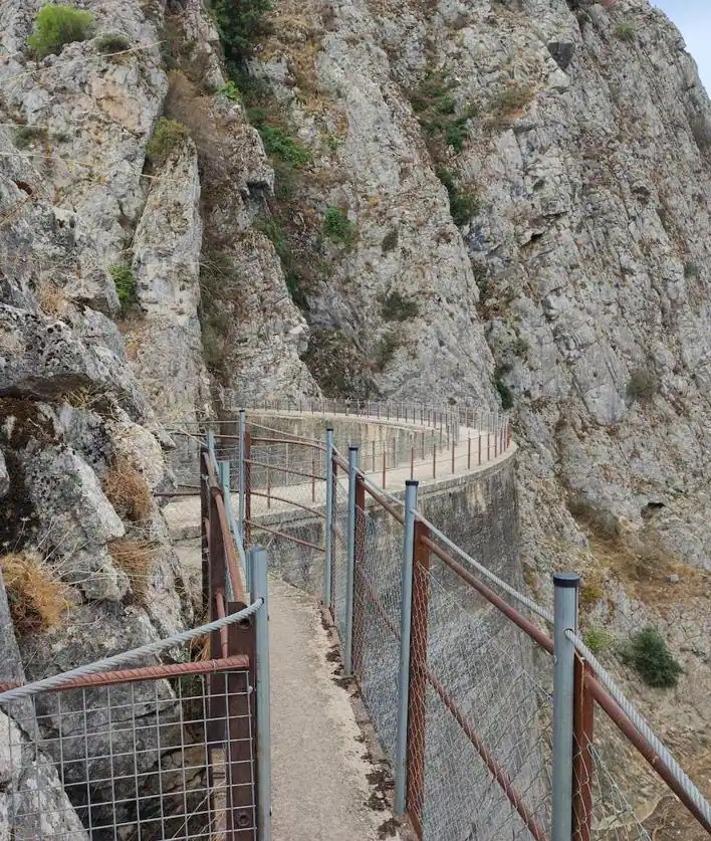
{"x":385,"y":456}
{"x":469,"y":453}
{"x":583,"y":763}
{"x":417,"y":693}
{"x":328,"y":524}
{"x":405,"y":642}
{"x":241,"y":477}
{"x":247,"y":526}
{"x":359,"y":595}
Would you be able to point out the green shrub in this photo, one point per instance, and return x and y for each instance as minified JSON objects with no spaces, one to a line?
{"x":643,"y":385}
{"x":691,"y":270}
{"x":26,"y":135}
{"x":436,"y":110}
{"x":230,"y":91}
{"x":112,"y":42}
{"x":57,"y":25}
{"x":505,"y":392}
{"x":278,"y":142}
{"x":239,"y":25}
{"x":647,"y":652}
{"x":125,"y":283}
{"x":338,"y":228}
{"x":625,"y":31}
{"x":598,"y":639}
{"x":463,"y":204}
{"x":166,"y":136}
{"x":397,"y":308}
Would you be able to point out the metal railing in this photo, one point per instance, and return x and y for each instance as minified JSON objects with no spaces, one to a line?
{"x":178,"y":750}
{"x":483,"y":743}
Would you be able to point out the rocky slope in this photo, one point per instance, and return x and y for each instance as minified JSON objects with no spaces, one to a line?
{"x":472,"y":201}
{"x":536,"y":177}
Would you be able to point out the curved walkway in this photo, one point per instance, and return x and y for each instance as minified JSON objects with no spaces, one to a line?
{"x":183,"y":514}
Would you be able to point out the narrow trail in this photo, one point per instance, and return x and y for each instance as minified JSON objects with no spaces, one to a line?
{"x":321,"y":790}
{"x":322,"y":775}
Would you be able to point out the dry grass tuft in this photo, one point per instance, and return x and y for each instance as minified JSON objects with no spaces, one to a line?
{"x":127,"y":490}
{"x":51,"y":299}
{"x":135,"y":558}
{"x":37,"y":597}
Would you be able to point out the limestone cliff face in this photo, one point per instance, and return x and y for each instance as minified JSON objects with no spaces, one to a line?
{"x":473,"y":201}
{"x":569,"y":265}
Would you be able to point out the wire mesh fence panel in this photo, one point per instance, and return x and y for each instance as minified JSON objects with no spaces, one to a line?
{"x":612,"y":816}
{"x":377,"y":608}
{"x":151,"y":759}
{"x":487,"y":720}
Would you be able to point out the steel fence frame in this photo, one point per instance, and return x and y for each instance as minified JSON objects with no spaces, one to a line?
{"x":580,"y":693}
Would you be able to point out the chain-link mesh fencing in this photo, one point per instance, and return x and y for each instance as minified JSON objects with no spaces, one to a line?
{"x":377,"y":600}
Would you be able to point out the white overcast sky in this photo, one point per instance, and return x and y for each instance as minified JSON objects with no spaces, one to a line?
{"x":693,"y":17}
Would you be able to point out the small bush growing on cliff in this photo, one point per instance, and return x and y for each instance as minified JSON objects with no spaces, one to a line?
{"x":395,"y":307}
{"x":505,"y":392}
{"x":463,"y":203}
{"x":57,"y":25}
{"x":166,"y":136}
{"x":647,"y":652}
{"x":112,"y":42}
{"x":643,"y":384}
{"x":338,"y":228}
{"x":37,"y":597}
{"x":125,"y":283}
{"x":277,"y":141}
{"x":239,"y":25}
{"x":127,"y":490}
{"x":436,"y":110}
{"x":625,"y":31}
{"x":230,"y":91}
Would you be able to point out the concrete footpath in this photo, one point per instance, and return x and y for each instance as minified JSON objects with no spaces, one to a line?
{"x":325,"y":787}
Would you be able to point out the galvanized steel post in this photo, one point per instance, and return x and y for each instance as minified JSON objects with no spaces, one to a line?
{"x":264,"y":748}
{"x":211,"y":445}
{"x":403,"y":695}
{"x":328,"y":525}
{"x":566,"y":619}
{"x":350,"y":562}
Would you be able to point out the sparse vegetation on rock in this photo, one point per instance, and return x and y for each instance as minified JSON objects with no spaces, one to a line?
{"x":167,"y":135}
{"x":57,"y":25}
{"x":125,"y":283}
{"x":38,"y":598}
{"x":338,"y":228}
{"x":647,"y":652}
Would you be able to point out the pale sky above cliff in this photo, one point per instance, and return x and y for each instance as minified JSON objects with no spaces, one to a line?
{"x":693,"y":17}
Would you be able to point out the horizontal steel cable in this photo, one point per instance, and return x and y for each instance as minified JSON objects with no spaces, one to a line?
{"x":127,"y":657}
{"x":642,"y":725}
{"x":487,"y":573}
